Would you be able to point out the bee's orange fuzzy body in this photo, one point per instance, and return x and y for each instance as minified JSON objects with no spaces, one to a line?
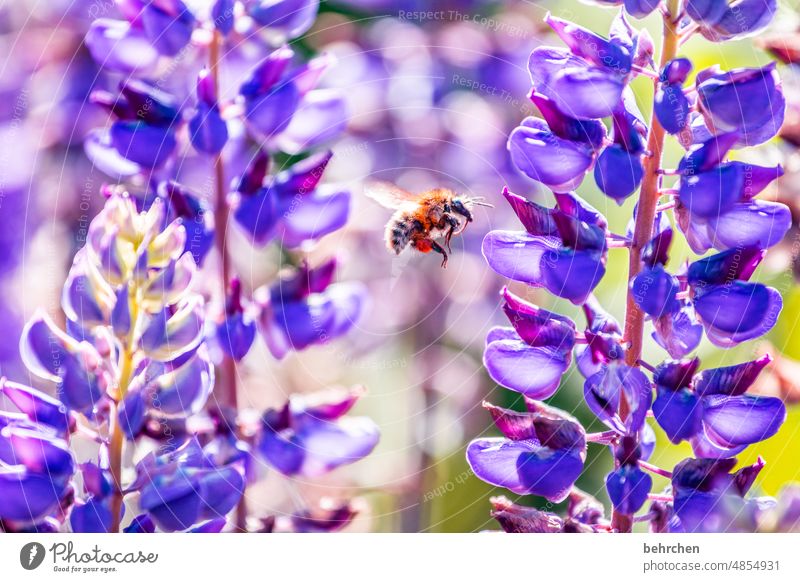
{"x":418,"y":224}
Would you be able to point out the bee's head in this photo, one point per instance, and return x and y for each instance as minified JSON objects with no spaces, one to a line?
{"x":460,"y":206}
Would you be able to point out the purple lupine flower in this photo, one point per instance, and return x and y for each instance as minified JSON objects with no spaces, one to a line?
{"x":36,"y":464}
{"x":222,"y":16}
{"x":721,"y":20}
{"x":197,"y":219}
{"x":640,"y":8}
{"x":311,"y":435}
{"x":562,"y":249}
{"x":207,"y":130}
{"x":283,"y":108}
{"x":604,"y":390}
{"x":178,"y":388}
{"x":270,"y":101}
{"x":184,"y":487}
{"x":671,"y":105}
{"x":711,"y":410}
{"x":678,"y":332}
{"x":538,"y":340}
{"x":291,"y":207}
{"x":150,"y":29}
{"x":143,"y":135}
{"x":291,"y":18}
{"x":118,"y":46}
{"x":558,"y":150}
{"x":237,"y":331}
{"x":708,"y":498}
{"x":307,"y":308}
{"x":74,"y":366}
{"x":541,"y":453}
{"x":586,"y":81}
{"x":654,"y":289}
{"x":93,"y":514}
{"x":618,"y":172}
{"x":126,"y":250}
{"x":731,"y":309}
{"x":38,"y":406}
{"x":716,"y":205}
{"x":627,"y":485}
{"x":603,"y":340}
{"x":722,"y":97}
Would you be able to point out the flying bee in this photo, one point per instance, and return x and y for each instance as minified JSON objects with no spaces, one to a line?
{"x":420,"y":219}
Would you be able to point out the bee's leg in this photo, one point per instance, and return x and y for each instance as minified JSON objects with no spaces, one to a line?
{"x":439,"y":249}
{"x":453,"y":223}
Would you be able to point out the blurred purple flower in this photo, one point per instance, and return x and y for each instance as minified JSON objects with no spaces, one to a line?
{"x":311,"y":435}
{"x":290,"y":206}
{"x":306,"y":309}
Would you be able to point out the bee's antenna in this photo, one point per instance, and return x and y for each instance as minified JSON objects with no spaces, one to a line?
{"x":481,"y":203}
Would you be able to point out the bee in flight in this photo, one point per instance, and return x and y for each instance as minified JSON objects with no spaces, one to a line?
{"x":420,"y":219}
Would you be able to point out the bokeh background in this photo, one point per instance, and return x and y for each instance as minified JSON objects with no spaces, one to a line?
{"x":434,"y":88}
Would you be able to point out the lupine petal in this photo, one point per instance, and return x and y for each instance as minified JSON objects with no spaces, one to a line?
{"x":291,"y":17}
{"x":704,"y":448}
{"x":270,"y":113}
{"x":184,"y":390}
{"x":654,"y":291}
{"x":746,"y":100}
{"x":220,"y":489}
{"x":117,"y":46}
{"x":533,"y":371}
{"x":742,"y":420}
{"x":711,"y":193}
{"x":146,"y":145}
{"x":328,"y":445}
{"x":131,"y":414}
{"x":172,"y":502}
{"x":742,"y":19}
{"x":738,"y":312}
{"x":103,"y":155}
{"x":618,"y":173}
{"x":640,"y":9}
{"x":525,"y":467}
{"x":314,"y":215}
{"x":541,"y":155}
{"x":37,"y":406}
{"x":672,"y":108}
{"x":679,"y":333}
{"x":321,"y":116}
{"x":235,"y":335}
{"x":706,"y":11}
{"x":759,"y":223}
{"x":90,"y":517}
{"x":602,"y":393}
{"x":628,"y":488}
{"x":678,"y":412}
{"x":517,"y":255}
{"x":207,"y":130}
{"x":730,"y":380}
{"x":26,"y":496}
{"x":170,"y":30}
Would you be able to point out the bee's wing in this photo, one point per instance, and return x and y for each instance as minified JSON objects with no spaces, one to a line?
{"x":389,"y":195}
